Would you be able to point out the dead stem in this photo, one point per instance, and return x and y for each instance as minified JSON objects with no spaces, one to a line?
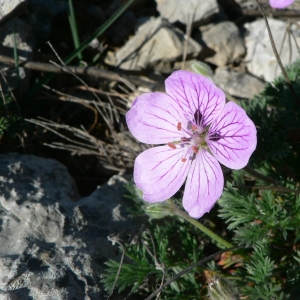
{"x":91,"y":71}
{"x":268,"y":188}
{"x":259,"y":175}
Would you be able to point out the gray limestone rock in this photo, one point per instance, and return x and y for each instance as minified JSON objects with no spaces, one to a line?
{"x":187,"y":11}
{"x":224,"y":42}
{"x":31,"y":190}
{"x":260,"y":58}
{"x":238,"y":84}
{"x":53,"y":244}
{"x":155,"y":41}
{"x":8,"y":7}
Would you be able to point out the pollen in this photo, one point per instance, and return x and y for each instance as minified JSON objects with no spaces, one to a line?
{"x":183,"y":159}
{"x":179,"y":126}
{"x":171,"y":145}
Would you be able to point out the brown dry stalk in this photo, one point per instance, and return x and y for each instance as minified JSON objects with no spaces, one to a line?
{"x":46,"y":67}
{"x":66,"y":97}
{"x":276,"y":14}
{"x":268,"y":188}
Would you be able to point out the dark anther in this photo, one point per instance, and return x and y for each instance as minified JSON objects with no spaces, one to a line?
{"x":214,"y":137}
{"x":184,"y":139}
{"x":197,"y":117}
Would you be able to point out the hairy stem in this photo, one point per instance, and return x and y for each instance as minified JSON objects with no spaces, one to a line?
{"x":220,"y":241}
{"x":259,"y":175}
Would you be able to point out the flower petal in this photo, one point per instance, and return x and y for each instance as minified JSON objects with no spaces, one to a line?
{"x":237,"y":137}
{"x":195,"y":92}
{"x":154,"y":117}
{"x":280,"y":3}
{"x":204,"y":185}
{"x":160,"y":172}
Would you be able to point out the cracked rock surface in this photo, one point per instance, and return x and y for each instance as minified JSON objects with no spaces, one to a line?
{"x":53,"y":243}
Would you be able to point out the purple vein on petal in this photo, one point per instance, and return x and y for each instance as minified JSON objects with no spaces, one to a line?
{"x":237,"y":137}
{"x":154,"y":117}
{"x":159,"y":172}
{"x":166,"y":173}
{"x":193,"y":91}
{"x":204,"y":185}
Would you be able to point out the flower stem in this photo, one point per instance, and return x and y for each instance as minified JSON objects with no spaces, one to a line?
{"x":220,"y":241}
{"x":259,"y":175}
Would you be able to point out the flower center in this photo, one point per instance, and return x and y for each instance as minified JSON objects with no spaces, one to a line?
{"x":198,"y":140}
{"x":197,"y":136}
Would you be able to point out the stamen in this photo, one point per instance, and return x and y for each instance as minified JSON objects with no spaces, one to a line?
{"x":183,"y":159}
{"x":171,"y":145}
{"x":184,"y":139}
{"x":179,"y":126}
{"x":194,"y":127}
{"x":195,"y":149}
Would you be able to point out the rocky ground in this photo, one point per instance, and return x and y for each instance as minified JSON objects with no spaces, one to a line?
{"x":54,"y":225}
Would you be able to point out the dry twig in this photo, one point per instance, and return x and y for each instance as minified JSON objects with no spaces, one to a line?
{"x":45,"y":67}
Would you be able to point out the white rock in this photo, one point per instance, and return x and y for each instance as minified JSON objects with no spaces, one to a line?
{"x":30,"y":188}
{"x":155,"y":40}
{"x":225,"y":40}
{"x":8,"y":6}
{"x":186,"y":11}
{"x":260,"y":58}
{"x":238,"y":84}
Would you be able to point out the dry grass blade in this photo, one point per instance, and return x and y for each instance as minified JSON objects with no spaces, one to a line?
{"x":88,"y":104}
{"x":189,"y":27}
{"x":10,"y":91}
{"x":117,"y":156}
{"x":117,"y":150}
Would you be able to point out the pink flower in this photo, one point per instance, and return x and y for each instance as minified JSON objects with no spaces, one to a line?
{"x":280,"y":3}
{"x":198,"y":130}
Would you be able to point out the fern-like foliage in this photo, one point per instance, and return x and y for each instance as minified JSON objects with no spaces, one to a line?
{"x":260,"y":271}
{"x":267,"y":221}
{"x":10,"y":120}
{"x":134,"y":274}
{"x":148,"y":264}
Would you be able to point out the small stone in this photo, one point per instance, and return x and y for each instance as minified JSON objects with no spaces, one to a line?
{"x":195,"y":11}
{"x":238,"y":84}
{"x":156,"y":41}
{"x":224,"y":42}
